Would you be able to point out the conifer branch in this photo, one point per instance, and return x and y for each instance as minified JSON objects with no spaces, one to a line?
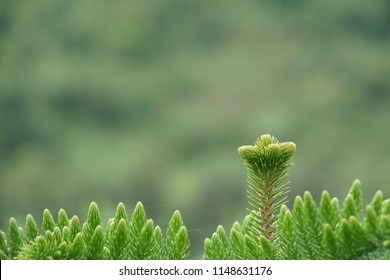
{"x":307,"y":231}
{"x":267,"y":163}
{"x":269,"y":231}
{"x":136,"y":238}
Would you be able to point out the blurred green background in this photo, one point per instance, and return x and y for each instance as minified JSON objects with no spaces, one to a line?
{"x":112,"y":101}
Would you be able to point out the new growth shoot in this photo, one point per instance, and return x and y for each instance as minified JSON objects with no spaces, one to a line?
{"x":267,"y":163}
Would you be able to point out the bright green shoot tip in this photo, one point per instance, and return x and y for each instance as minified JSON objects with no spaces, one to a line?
{"x":267,"y":163}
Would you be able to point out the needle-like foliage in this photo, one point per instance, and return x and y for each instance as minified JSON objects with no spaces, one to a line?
{"x":123,"y":238}
{"x":267,"y":163}
{"x":308,"y":231}
{"x":327,"y":230}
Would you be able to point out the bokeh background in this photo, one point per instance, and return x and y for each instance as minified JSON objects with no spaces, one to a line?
{"x":126,"y":101}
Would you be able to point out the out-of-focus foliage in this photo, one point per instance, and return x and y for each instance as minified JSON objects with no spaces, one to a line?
{"x":147,"y":100}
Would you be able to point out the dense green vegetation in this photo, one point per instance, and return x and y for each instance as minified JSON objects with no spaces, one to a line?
{"x":148,"y":100}
{"x":122,"y":238}
{"x":270,"y":231}
{"x":307,"y":231}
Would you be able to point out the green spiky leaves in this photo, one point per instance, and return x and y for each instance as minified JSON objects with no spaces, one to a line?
{"x":309,"y":231}
{"x":270,"y":230}
{"x":123,"y":238}
{"x":267,"y":163}
{"x":176,"y":238}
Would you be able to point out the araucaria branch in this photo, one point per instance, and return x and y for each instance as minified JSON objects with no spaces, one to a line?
{"x":267,"y":163}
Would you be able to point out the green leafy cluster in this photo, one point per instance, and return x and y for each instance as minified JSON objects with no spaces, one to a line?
{"x":136,"y":238}
{"x":272,"y":231}
{"x":326,"y":231}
